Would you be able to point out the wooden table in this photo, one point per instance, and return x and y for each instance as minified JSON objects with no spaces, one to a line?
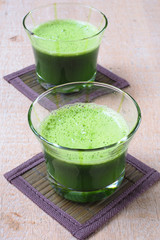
{"x":131,"y":49}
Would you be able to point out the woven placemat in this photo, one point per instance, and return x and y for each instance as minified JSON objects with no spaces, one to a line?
{"x":80,"y":219}
{"x":25,"y":80}
{"x":31,"y":179}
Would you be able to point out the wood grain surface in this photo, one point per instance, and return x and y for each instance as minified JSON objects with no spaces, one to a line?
{"x":131,"y":49}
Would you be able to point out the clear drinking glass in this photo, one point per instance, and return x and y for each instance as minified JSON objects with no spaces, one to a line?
{"x":63,"y":61}
{"x":85,"y":175}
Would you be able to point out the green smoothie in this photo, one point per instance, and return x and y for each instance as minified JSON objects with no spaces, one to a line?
{"x":84,"y":126}
{"x":65,"y":51}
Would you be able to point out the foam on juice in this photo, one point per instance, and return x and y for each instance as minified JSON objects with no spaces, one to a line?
{"x":84,"y":126}
{"x":65,"y":37}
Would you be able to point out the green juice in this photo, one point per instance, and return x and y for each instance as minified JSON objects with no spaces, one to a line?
{"x":84,"y":126}
{"x":65,"y":51}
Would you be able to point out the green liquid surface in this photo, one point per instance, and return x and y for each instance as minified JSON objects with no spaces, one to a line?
{"x":58,"y":32}
{"x":84,"y":126}
{"x":65,"y":51}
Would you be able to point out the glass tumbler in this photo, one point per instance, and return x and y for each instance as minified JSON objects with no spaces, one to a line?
{"x":60,"y":60}
{"x":85,"y":174}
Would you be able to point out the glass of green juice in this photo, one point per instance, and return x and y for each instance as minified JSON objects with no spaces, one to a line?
{"x":85,"y":136}
{"x":65,"y":38}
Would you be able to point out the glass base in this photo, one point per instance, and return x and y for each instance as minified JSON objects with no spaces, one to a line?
{"x":90,"y":196}
{"x":67,"y":89}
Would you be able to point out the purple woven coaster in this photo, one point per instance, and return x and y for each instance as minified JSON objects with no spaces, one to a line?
{"x":80,"y":219}
{"x":31,"y":177}
{"x":25,"y":81}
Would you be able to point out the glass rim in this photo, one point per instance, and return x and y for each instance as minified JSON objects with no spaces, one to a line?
{"x":118,"y":143}
{"x":67,"y":3}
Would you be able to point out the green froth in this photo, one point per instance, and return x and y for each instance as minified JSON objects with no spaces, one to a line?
{"x":84,"y":126}
{"x":65,"y":37}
